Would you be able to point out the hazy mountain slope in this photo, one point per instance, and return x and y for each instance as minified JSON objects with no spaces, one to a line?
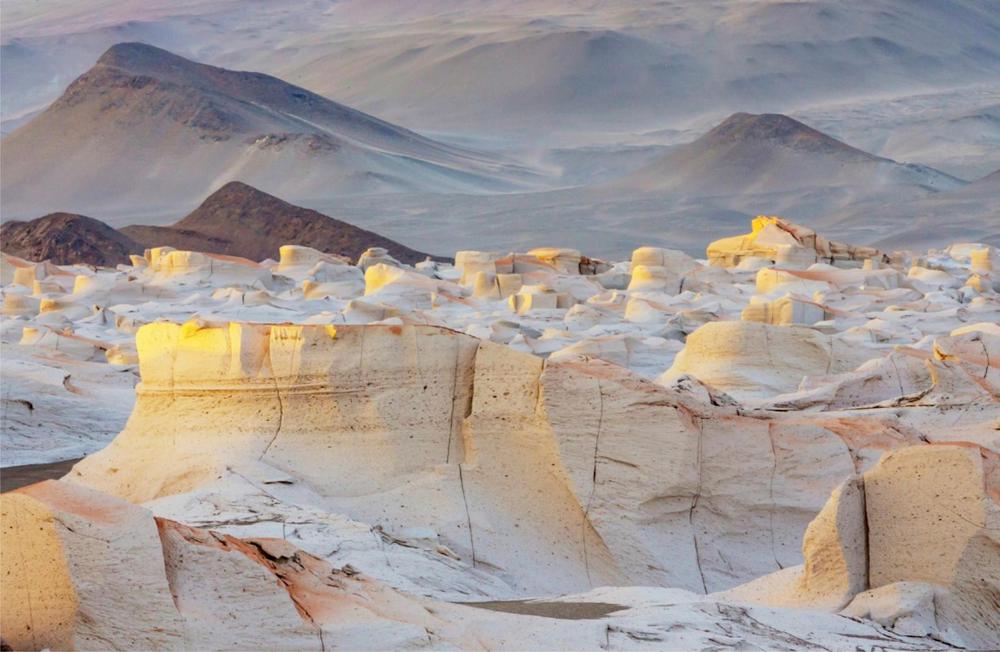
{"x":66,"y":239}
{"x":664,"y":61}
{"x":537,"y":80}
{"x":240,"y":220}
{"x":538,"y":67}
{"x":749,"y":154}
{"x":957,"y":132}
{"x":517,"y":78}
{"x":146,"y":127}
{"x":987,"y":186}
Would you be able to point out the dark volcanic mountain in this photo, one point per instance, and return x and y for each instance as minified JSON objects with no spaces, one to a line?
{"x":768,"y":153}
{"x":242,"y":221}
{"x":66,"y":239}
{"x":144,"y":128}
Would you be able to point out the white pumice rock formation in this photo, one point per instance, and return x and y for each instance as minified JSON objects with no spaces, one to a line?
{"x":912,"y":543}
{"x":750,"y":360}
{"x":787,"y":244}
{"x":354,"y":448}
{"x":376,"y":256}
{"x":188,"y":587}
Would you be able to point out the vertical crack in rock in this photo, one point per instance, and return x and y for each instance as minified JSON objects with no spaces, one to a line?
{"x":696,"y":420}
{"x":454,"y":397}
{"x":281,"y":405}
{"x":281,"y":418}
{"x":469,"y":394}
{"x":538,"y":387}
{"x":899,"y":377}
{"x":593,"y":485}
{"x":986,"y":353}
{"x":468,"y":516}
{"x":868,"y":533}
{"x":772,"y":507}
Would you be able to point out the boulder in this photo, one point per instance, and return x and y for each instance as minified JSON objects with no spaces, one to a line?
{"x":751,"y":360}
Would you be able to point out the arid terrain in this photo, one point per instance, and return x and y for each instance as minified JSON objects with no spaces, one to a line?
{"x":793,"y":439}
{"x":549,"y":325}
{"x":454,"y":124}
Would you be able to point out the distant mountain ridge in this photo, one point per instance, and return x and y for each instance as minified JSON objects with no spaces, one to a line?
{"x":782,"y":130}
{"x":241,"y":220}
{"x":237,"y":220}
{"x":146,"y":127}
{"x":67,"y":239}
{"x":770,"y":152}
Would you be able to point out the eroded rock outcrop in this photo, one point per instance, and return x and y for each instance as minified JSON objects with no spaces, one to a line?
{"x":780,"y":241}
{"x":912,"y":544}
{"x":504,"y":456}
{"x":530,"y":453}
{"x":102,"y":573}
{"x":752,"y":360}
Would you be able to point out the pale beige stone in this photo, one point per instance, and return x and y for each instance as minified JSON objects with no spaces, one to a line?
{"x":751,"y":360}
{"x":924,"y":505}
{"x":565,"y":261}
{"x":112,"y":552}
{"x":38,"y":602}
{"x":781,"y":241}
{"x":783,"y":311}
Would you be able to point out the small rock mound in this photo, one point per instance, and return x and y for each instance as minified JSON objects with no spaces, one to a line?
{"x":67,"y":239}
{"x":240,"y":220}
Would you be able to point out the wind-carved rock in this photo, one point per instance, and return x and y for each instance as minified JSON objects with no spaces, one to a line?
{"x":782,"y":242}
{"x":913,"y":543}
{"x":751,"y":360}
{"x":505,"y":456}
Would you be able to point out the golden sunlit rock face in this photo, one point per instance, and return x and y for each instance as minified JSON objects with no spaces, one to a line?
{"x":782,"y":242}
{"x":319,"y":454}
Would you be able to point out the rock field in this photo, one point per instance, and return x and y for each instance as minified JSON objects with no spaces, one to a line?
{"x":793,"y":443}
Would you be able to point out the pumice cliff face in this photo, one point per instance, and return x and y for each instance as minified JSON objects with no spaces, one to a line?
{"x":624,"y":476}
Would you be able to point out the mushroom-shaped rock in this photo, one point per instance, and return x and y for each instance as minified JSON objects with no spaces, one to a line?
{"x":471,"y":263}
{"x":538,"y":297}
{"x":565,"y":261}
{"x":20,"y":304}
{"x":648,"y":278}
{"x":297,"y":261}
{"x":18,"y":271}
{"x":677,"y":261}
{"x":783,"y":311}
{"x":495,"y":286}
{"x":376,"y":256}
